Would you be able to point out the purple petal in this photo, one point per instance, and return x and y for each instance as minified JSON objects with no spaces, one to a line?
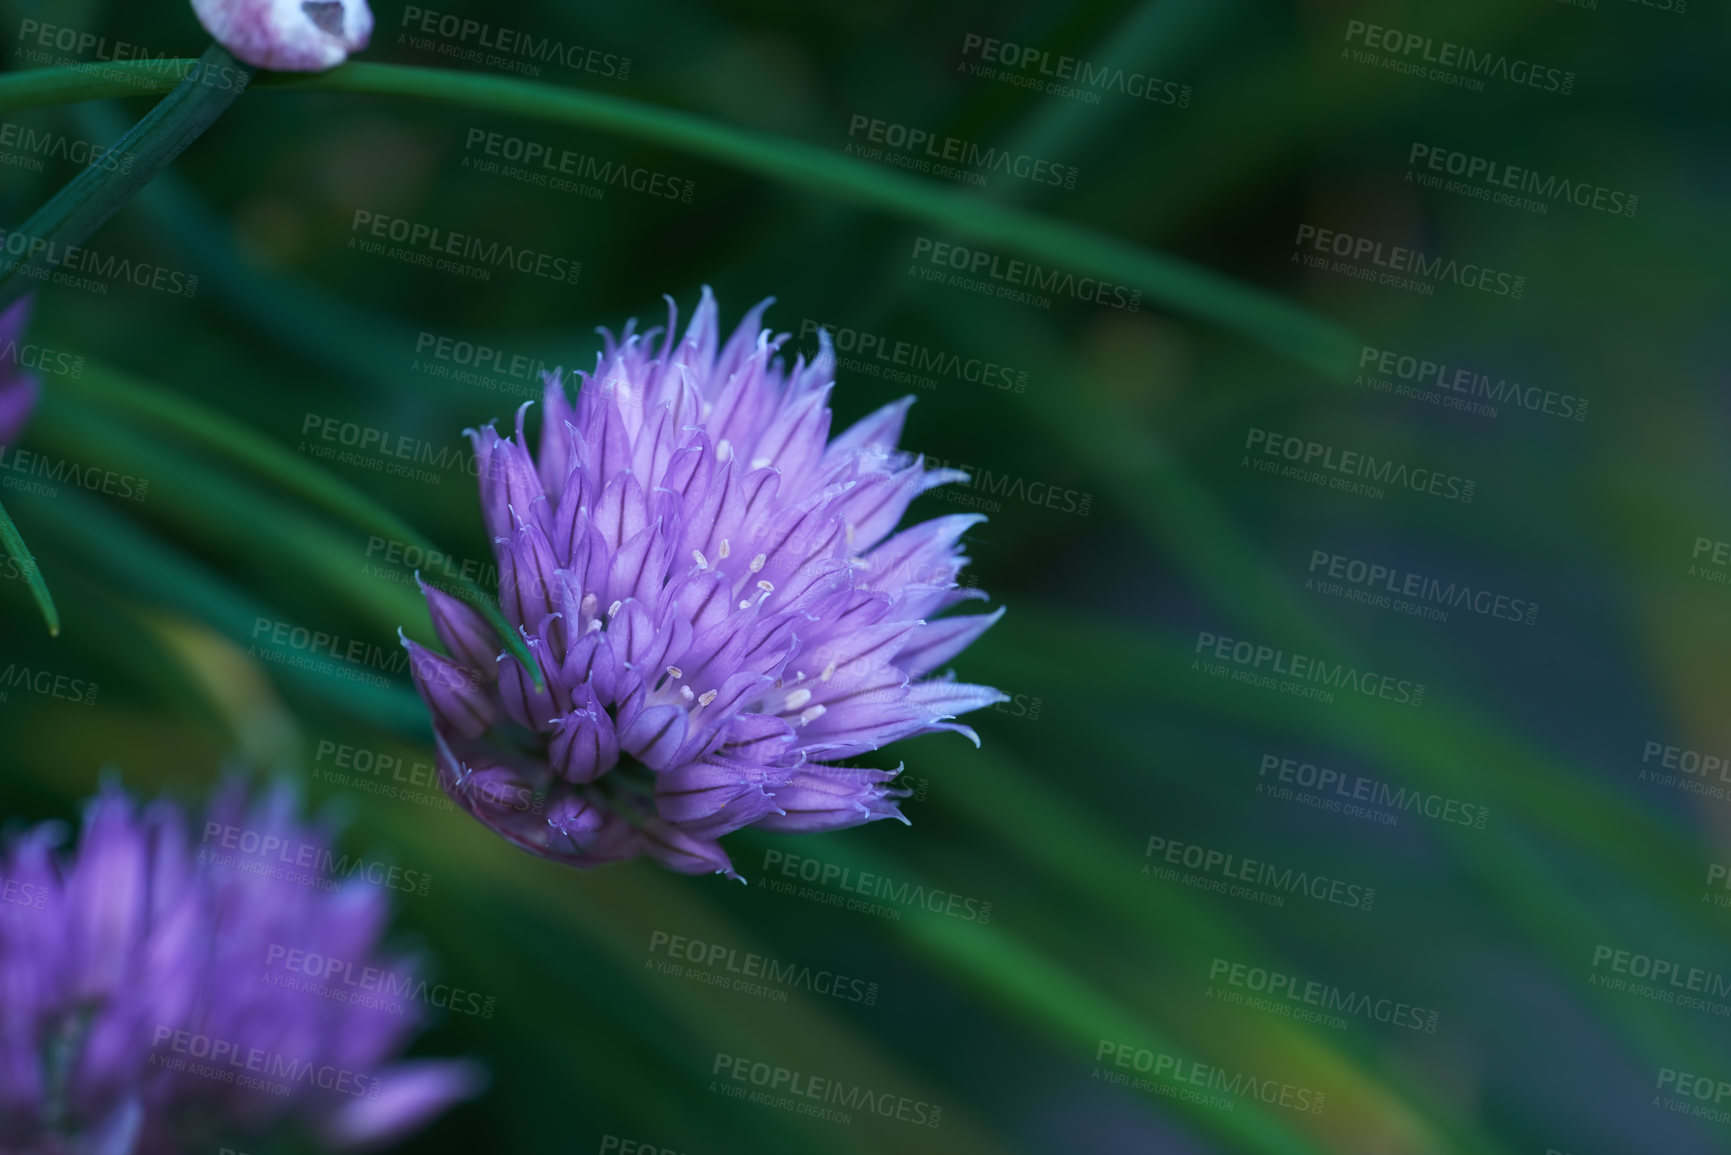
{"x":584,"y":746}
{"x":655,"y":735}
{"x":468,"y":635}
{"x":409,"y":1095}
{"x":682,"y":852}
{"x":937,"y":642}
{"x":831,"y":798}
{"x":528,"y":706}
{"x":456,"y":695}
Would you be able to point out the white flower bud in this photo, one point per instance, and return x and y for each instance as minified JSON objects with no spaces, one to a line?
{"x":288,"y":35}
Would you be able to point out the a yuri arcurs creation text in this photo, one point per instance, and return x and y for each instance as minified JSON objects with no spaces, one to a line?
{"x":721,"y":615}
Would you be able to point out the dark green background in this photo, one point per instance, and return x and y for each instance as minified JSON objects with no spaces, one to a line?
{"x":1146,"y":413}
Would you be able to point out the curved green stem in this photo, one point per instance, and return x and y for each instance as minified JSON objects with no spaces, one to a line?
{"x":1169,"y":281}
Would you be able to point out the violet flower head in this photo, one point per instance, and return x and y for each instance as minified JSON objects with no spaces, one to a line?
{"x":149,"y":1004}
{"x":288,"y":35}
{"x":18,"y":388}
{"x":721,"y":615}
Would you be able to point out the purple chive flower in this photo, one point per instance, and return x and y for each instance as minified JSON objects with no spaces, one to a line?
{"x":18,"y":389}
{"x":288,"y":35}
{"x":145,"y":1004}
{"x":719,"y":611}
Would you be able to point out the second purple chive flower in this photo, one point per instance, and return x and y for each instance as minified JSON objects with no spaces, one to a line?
{"x":144,"y":1007}
{"x":721,"y":614}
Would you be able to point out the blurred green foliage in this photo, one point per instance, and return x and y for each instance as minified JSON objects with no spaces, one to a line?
{"x":215,"y":399}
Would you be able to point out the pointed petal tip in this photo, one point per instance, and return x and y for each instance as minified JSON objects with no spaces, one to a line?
{"x":947,"y":723}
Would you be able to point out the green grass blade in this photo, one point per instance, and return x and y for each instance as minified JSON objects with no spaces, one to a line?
{"x":235,"y":442}
{"x":1168,"y":281}
{"x":15,"y":548}
{"x":211,"y":84}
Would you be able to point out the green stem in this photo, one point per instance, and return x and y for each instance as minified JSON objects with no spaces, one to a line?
{"x":208,"y":86}
{"x":1168,"y":281}
{"x":14,"y":543}
{"x":1176,"y":284}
